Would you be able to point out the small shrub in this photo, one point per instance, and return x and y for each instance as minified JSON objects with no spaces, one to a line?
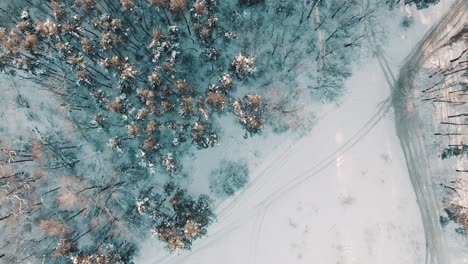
{"x":229,"y":178}
{"x":407,"y":21}
{"x":454,"y":151}
{"x":250,"y":2}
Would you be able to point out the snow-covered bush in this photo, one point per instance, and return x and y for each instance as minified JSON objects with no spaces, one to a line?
{"x":243,"y":66}
{"x":250,"y":112}
{"x":229,"y":178}
{"x":176,"y":217}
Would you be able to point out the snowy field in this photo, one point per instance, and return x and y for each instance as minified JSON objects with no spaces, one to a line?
{"x":341,"y":194}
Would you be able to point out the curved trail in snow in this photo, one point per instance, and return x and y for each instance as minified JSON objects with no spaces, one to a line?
{"x":410,"y":132}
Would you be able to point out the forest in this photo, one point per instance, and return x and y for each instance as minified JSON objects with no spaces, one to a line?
{"x":114,"y":93}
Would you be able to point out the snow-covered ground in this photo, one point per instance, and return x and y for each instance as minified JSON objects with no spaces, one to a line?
{"x":341,"y":194}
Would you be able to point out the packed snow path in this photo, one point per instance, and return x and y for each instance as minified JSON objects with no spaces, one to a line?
{"x":410,"y":132}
